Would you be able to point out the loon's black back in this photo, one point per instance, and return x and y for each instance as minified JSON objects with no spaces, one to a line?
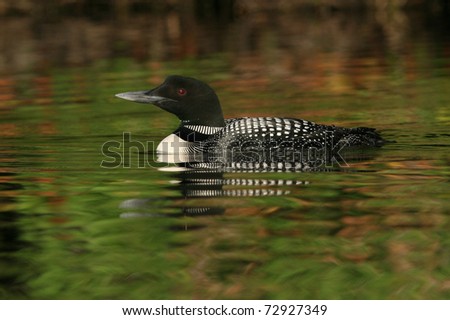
{"x":276,"y":131}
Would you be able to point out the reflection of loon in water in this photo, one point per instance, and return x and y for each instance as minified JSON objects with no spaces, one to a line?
{"x":206,"y":146}
{"x":197,"y":183}
{"x":207,"y":184}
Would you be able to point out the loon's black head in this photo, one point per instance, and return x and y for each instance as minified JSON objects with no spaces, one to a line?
{"x":191,"y":100}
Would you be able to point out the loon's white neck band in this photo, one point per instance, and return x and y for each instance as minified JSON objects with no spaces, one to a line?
{"x":203,"y":129}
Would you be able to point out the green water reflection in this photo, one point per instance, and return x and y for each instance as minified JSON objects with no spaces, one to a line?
{"x":70,"y":229}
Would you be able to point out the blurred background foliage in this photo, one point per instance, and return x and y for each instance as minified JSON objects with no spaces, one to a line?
{"x":60,"y":32}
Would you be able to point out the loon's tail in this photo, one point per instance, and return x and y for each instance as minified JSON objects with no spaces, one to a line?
{"x":363,"y":137}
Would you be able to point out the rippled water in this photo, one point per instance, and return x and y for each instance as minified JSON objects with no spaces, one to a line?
{"x":71,"y":229}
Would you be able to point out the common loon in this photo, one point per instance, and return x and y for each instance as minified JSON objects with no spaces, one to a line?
{"x":203,"y":128}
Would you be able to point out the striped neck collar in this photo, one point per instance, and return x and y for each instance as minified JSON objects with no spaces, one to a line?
{"x":203,"y":129}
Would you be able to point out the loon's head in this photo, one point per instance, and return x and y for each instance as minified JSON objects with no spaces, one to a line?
{"x":191,"y":100}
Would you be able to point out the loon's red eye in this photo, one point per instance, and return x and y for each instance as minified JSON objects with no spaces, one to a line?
{"x":181,"y":91}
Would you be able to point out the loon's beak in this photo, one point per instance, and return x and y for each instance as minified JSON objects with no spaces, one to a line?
{"x":142,"y":97}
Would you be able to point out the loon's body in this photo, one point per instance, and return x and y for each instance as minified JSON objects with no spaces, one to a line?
{"x":203,"y":128}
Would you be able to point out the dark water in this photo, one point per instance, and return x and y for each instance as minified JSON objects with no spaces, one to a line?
{"x":71,"y":229}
